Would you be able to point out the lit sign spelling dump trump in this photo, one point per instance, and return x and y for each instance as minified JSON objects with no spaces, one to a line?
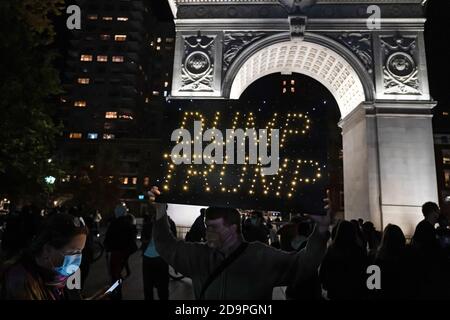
{"x":244,"y":159}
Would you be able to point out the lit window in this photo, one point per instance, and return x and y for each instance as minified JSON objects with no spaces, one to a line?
{"x":445,"y":114}
{"x":292,"y":89}
{"x":447,"y":178}
{"x":122,"y":18}
{"x":117,"y":59}
{"x":147,"y":100}
{"x":166,"y":84}
{"x":158,"y":40}
{"x":80,"y":103}
{"x":108,"y":136}
{"x":111,"y":115}
{"x":146,"y":181}
{"x":105,"y":37}
{"x":125,"y":180}
{"x":284,"y":90}
{"x":102,"y":58}
{"x":165,"y":93}
{"x":86,"y":57}
{"x":156,"y":93}
{"x":134,"y":180}
{"x":292,"y":82}
{"x":107,"y":18}
{"x":446,"y":156}
{"x":284,"y":83}
{"x":83,"y":80}
{"x":126,"y":117}
{"x":75,"y":135}
{"x":152,"y":43}
{"x":158,"y":48}
{"x":92,"y":136}
{"x":120,"y":37}
{"x":92,"y":17}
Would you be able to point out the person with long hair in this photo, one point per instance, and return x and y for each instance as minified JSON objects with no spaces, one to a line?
{"x":41,"y":271}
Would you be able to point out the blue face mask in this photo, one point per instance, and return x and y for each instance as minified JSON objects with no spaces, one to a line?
{"x":70,"y":265}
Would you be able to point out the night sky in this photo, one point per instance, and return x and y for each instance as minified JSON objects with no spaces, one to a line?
{"x":437,"y":37}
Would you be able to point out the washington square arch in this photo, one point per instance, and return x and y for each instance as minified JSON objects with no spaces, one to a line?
{"x":376,"y":72}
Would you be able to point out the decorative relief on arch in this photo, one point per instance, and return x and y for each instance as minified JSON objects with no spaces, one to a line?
{"x":197,"y":69}
{"x":360,"y":44}
{"x":400,"y":70}
{"x":235,"y":42}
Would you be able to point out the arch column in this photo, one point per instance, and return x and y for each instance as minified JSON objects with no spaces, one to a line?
{"x":389,"y":164}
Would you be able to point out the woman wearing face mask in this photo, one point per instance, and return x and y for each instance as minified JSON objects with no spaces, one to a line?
{"x":41,"y":271}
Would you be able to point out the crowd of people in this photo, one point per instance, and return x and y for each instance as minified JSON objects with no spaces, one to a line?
{"x":227,"y":255}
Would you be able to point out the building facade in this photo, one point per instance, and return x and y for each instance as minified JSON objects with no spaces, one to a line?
{"x":115,"y":83}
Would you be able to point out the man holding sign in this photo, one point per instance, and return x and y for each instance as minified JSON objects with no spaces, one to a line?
{"x":227,"y":267}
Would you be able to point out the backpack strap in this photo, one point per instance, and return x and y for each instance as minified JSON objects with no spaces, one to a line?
{"x":225,"y":263}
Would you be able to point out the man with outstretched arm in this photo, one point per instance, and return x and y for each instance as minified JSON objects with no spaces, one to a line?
{"x":227,"y":267}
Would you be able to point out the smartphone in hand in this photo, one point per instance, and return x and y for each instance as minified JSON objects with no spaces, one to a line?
{"x":114,"y":286}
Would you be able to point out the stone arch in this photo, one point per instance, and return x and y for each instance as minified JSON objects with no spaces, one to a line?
{"x":316,"y":56}
{"x":389,"y":163}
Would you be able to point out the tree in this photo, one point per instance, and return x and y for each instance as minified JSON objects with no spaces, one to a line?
{"x":95,"y":186}
{"x":28,"y":89}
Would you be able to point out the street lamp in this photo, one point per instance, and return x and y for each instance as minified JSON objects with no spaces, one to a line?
{"x":50,"y":180}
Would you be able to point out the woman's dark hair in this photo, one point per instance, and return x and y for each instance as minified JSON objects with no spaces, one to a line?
{"x":345,"y":235}
{"x":428,"y":208}
{"x":334,"y":230}
{"x":57,"y":231}
{"x":392,"y":243}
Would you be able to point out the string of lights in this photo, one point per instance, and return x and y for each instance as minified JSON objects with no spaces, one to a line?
{"x":229,"y":178}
